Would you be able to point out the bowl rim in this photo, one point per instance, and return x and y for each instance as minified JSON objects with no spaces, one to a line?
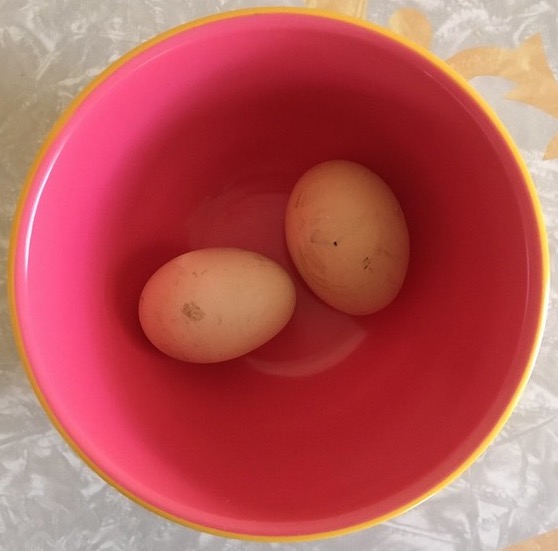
{"x":65,"y":117}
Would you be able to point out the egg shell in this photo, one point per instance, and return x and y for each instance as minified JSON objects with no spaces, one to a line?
{"x":347,"y":236}
{"x":215,"y":304}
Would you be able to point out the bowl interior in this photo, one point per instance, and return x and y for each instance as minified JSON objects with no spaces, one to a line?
{"x":196,"y":141}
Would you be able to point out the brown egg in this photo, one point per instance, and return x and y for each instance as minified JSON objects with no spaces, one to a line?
{"x":347,"y":236}
{"x":211,"y":305}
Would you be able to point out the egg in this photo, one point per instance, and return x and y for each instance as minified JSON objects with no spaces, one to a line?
{"x":347,"y":236}
{"x":215,"y":304}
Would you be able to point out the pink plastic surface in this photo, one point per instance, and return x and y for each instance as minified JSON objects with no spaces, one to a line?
{"x":339,"y":420}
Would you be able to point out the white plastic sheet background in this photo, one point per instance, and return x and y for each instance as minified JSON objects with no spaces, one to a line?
{"x":49,"y":500}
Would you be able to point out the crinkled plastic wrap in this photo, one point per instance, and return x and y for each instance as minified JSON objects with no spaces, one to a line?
{"x":49,"y":499}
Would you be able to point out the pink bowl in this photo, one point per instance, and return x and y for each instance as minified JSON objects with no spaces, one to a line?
{"x":195,"y":140}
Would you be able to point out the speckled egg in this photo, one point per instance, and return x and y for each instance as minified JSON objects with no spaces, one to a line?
{"x":347,"y":236}
{"x":211,"y":305}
